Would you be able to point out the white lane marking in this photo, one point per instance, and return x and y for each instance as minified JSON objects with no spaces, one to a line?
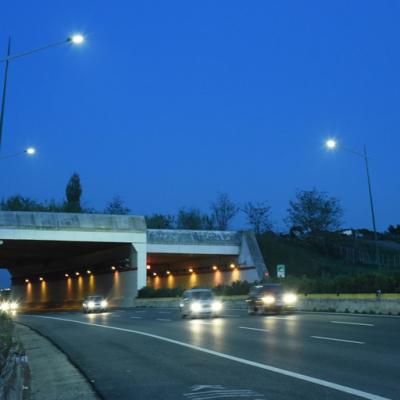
{"x":231,"y":315}
{"x":135,"y":317}
{"x":164,"y":319}
{"x":337,"y":340}
{"x":350,"y":323}
{"x":254,"y":329}
{"x":284,"y":318}
{"x":296,"y":375}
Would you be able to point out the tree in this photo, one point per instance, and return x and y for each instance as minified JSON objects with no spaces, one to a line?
{"x":20,"y":203}
{"x":160,"y":221}
{"x":116,"y":206}
{"x":258,"y":216}
{"x":314,"y":211}
{"x":73,"y":193}
{"x":222,"y":211}
{"x":192,"y":218}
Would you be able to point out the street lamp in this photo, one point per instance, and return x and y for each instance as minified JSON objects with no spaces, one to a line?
{"x":30,"y":151}
{"x":331,"y":144}
{"x":75,"y":39}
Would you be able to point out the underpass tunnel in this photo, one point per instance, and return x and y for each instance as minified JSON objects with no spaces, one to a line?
{"x":61,"y":273}
{"x":186,"y":271}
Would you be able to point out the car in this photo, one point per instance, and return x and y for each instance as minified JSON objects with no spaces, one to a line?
{"x":200,"y":302}
{"x":94,"y":303}
{"x":270,"y":297}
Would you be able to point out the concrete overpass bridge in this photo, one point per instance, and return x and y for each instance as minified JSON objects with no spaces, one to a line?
{"x":56,"y":259}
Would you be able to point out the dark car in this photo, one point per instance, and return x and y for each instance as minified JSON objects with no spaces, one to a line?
{"x":270,"y":297}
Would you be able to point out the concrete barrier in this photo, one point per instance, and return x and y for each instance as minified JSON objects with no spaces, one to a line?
{"x":362,"y":306}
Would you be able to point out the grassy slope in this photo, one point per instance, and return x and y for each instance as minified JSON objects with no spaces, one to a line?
{"x":302,"y":257}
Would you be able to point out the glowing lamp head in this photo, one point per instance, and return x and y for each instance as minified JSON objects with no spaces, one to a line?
{"x":26,"y":280}
{"x":66,"y":275}
{"x":168,"y":272}
{"x":215,"y":268}
{"x":148,"y":267}
{"x":77,"y":39}
{"x":40,"y":279}
{"x":77,"y":273}
{"x":232,"y":266}
{"x":30,"y":151}
{"x":88,"y":271}
{"x":331,"y":144}
{"x":191,"y":270}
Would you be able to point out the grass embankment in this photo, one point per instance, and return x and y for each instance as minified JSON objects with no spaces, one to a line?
{"x":310,"y":257}
{"x":5,"y":337}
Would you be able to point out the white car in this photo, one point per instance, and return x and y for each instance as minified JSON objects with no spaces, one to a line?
{"x":200,"y":302}
{"x":94,"y":303}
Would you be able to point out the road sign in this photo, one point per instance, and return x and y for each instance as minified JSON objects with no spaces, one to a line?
{"x":280,"y":271}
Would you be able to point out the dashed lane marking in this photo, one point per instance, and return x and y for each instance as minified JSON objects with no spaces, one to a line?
{"x":337,"y":340}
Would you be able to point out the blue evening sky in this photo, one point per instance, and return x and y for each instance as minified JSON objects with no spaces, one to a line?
{"x":169,"y":103}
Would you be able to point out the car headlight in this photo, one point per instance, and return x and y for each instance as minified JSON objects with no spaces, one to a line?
{"x":90,"y":304}
{"x":216,"y":306}
{"x":4,"y":306}
{"x":104,"y":303}
{"x":290,"y":298}
{"x":13,"y":306}
{"x":268,"y":299}
{"x":195,"y":307}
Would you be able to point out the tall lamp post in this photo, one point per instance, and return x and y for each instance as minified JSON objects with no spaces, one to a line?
{"x":331,"y":144}
{"x":75,"y":40}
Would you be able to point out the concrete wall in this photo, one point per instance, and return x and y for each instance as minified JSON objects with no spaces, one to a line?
{"x":204,"y":279}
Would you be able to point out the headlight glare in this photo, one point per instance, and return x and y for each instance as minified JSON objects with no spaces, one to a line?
{"x":104,"y":303}
{"x":196,"y":307}
{"x":216,"y":306}
{"x":91,"y":304}
{"x":268,"y":299}
{"x":290,"y":298}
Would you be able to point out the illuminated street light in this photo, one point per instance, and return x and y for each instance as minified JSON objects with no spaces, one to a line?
{"x":154,"y":273}
{"x":30,"y":151}
{"x":168,"y":272}
{"x":214,"y":267}
{"x":26,"y":280}
{"x":331,"y":144}
{"x":77,"y":273}
{"x":113,"y":268}
{"x":88,"y":271}
{"x":148,"y":267}
{"x":66,"y":275}
{"x":40,"y":279}
{"x":191,"y":270}
{"x":232,"y":266}
{"x":76,"y":39}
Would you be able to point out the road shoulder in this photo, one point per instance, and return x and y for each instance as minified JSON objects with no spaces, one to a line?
{"x":53,"y":377}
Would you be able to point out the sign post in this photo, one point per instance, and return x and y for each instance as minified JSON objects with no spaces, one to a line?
{"x":280,"y":270}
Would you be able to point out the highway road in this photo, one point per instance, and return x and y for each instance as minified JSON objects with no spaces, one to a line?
{"x":154,"y":354}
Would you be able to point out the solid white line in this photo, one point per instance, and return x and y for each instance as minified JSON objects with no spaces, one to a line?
{"x":135,"y":317}
{"x":253,"y":329}
{"x":230,"y":315}
{"x":350,"y":323}
{"x":284,"y":318}
{"x":163,"y":319}
{"x":337,"y":340}
{"x":302,"y":377}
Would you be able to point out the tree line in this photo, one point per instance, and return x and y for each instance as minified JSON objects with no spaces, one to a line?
{"x":309,"y":212}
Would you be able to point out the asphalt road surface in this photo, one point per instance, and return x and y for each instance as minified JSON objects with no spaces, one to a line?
{"x":154,"y":354}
